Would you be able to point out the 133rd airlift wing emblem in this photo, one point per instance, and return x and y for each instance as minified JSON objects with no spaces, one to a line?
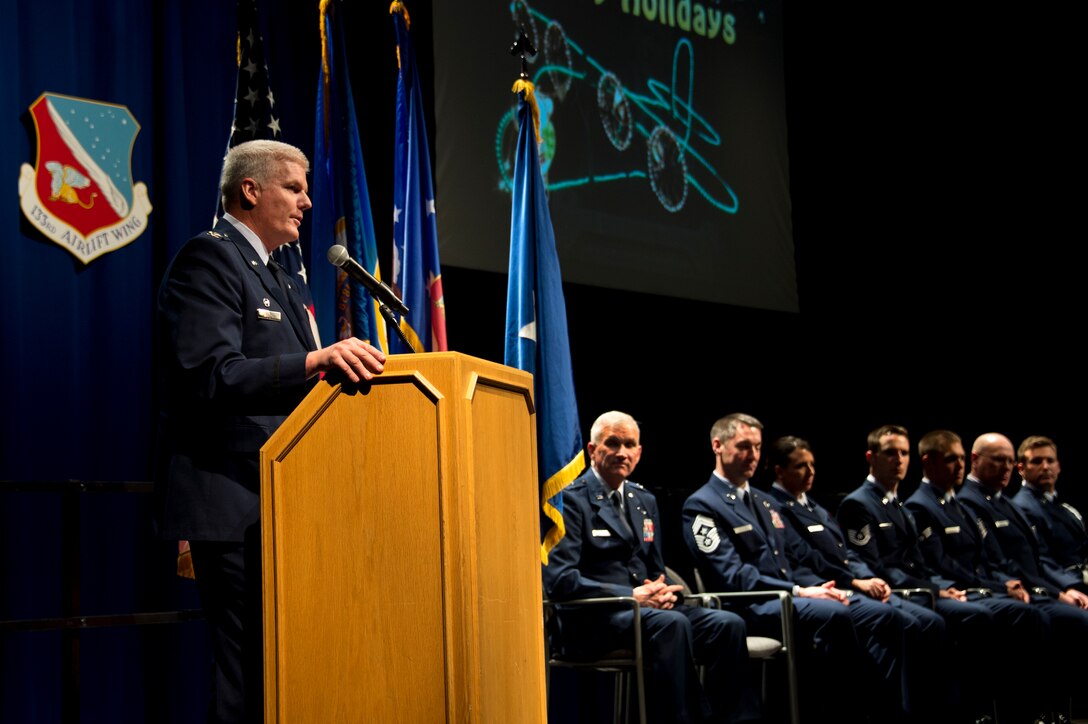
{"x":80,"y":193}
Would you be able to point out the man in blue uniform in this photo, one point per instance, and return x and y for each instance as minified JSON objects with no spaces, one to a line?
{"x":1025,"y":553}
{"x":738,"y":541}
{"x":886,"y":537}
{"x":1059,"y":524}
{"x":1014,"y":542}
{"x":794,"y":466}
{"x":612,"y":547}
{"x":236,"y":354}
{"x":952,"y":546}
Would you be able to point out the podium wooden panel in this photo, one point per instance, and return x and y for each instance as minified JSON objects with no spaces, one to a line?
{"x":401,"y":553}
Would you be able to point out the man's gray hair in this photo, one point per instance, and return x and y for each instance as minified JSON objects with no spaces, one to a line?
{"x":612,"y":418}
{"x":258,"y":160}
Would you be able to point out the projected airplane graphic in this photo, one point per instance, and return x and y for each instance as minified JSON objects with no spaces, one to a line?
{"x":665,"y":118}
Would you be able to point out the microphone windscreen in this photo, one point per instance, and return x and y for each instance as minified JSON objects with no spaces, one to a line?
{"x":337,"y":255}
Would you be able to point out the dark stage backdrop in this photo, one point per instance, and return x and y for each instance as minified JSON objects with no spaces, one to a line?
{"x":936,"y":237}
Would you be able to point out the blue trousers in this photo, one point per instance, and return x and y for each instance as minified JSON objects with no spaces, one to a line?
{"x":672,"y":642}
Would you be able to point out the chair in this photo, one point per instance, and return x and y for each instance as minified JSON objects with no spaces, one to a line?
{"x":760,"y":648}
{"x":931,"y":600}
{"x":912,"y":593}
{"x":622,"y":662}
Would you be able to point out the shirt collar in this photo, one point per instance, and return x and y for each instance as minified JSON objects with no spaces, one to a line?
{"x":1050,"y":495}
{"x":729,"y":483}
{"x":887,"y":493}
{"x":250,"y":236}
{"x":802,"y":498}
{"x":944,"y":497}
{"x":607,"y":487}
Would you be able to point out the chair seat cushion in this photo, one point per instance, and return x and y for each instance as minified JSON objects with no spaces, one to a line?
{"x":623,"y":658}
{"x":761,"y":647}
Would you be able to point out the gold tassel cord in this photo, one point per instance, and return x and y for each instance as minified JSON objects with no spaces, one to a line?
{"x":525,"y":86}
{"x":398,"y":7}
{"x":323,"y":25}
{"x":322,"y":13}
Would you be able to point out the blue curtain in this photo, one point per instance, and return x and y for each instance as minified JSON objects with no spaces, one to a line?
{"x":77,"y":398}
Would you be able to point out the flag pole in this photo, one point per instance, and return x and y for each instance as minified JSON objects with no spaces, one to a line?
{"x":536,"y":316}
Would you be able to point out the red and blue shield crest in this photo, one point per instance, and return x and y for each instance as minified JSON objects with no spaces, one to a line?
{"x":80,"y":193}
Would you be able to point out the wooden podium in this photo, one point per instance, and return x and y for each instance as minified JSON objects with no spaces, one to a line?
{"x":401,"y":553}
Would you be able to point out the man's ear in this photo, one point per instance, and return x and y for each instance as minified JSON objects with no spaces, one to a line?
{"x":249,"y":192}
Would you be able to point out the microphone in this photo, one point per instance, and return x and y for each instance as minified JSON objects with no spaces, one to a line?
{"x":338,"y":257}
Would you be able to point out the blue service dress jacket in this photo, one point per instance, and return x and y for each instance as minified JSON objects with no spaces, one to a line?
{"x":599,"y":555}
{"x":232,"y":348}
{"x":819,"y":529}
{"x":755,"y":554}
{"x":886,"y":538}
{"x":952,"y":541}
{"x":1060,"y":525}
{"x":1025,"y":555}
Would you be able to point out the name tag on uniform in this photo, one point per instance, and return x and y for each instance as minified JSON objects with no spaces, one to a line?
{"x":270,"y":314}
{"x":952,"y":530}
{"x":742,"y":529}
{"x":818,"y":528}
{"x":602,"y":533}
{"x":885,"y":525}
{"x":1001,"y":523}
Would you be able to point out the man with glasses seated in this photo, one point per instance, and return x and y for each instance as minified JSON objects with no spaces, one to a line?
{"x":1012,"y":540}
{"x":1024,"y":551}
